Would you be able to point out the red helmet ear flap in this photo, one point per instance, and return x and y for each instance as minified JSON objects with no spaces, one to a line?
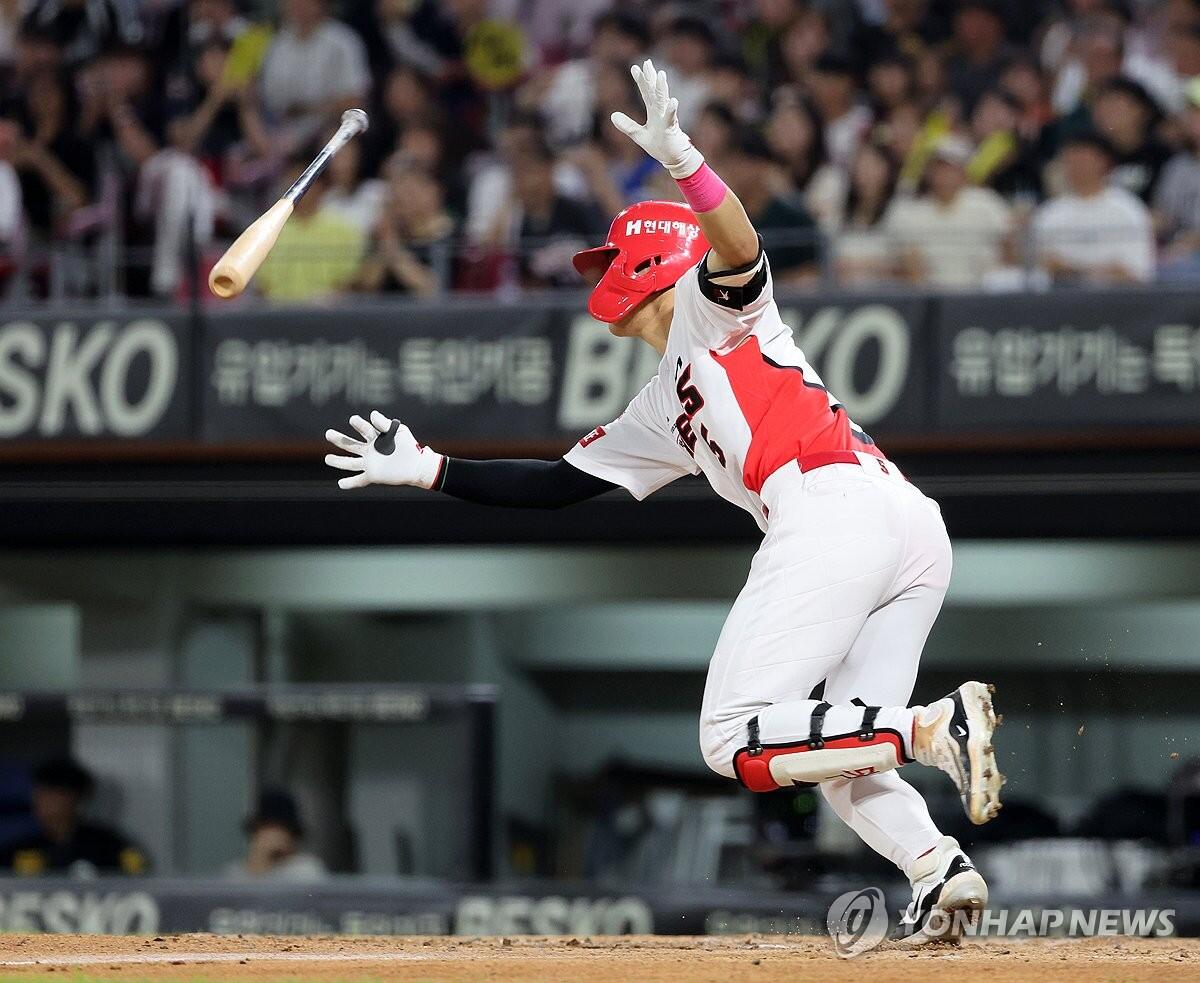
{"x":614,"y":296}
{"x":592,"y":264}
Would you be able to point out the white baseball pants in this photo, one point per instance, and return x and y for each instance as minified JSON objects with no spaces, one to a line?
{"x":845,"y":588}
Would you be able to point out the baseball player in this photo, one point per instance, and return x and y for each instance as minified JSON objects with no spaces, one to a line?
{"x":854,"y":562}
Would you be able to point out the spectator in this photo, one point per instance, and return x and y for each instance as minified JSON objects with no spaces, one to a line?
{"x":406,"y":34}
{"x":844,"y":117}
{"x":413,"y":242}
{"x":554,"y":27}
{"x":797,"y":141}
{"x":1024,"y":82}
{"x":213,"y":20}
{"x":932,"y":93}
{"x":863,"y":249}
{"x":1099,"y":55}
{"x":953,"y":236}
{"x":63,"y":840}
{"x":1183,"y":65}
{"x":351,"y":195}
{"x":192,"y":25}
{"x":10,"y":187}
{"x":317,"y":253}
{"x":219,"y":122}
{"x":315,"y":68}
{"x":408,"y":99}
{"x":902,"y":132}
{"x":790,"y":235}
{"x":1177,"y":200}
{"x":56,"y":167}
{"x":1003,"y":160}
{"x":35,"y":54}
{"x":805,"y":41}
{"x":1126,"y":116}
{"x":10,"y":22}
{"x":761,"y":39}
{"x":731,"y":85}
{"x":891,"y":82}
{"x":84,"y":28}
{"x":550,"y":227}
{"x":716,"y":130}
{"x":491,"y":185}
{"x":1093,"y":233}
{"x":274,"y":835}
{"x":910,"y":29}
{"x":980,"y":51}
{"x":173,"y":196}
{"x":422,"y":145}
{"x":1082,"y":31}
{"x":566,"y":96}
{"x":1062,"y":28}
{"x":616,"y":170}
{"x":690,"y":48}
{"x":471,"y":50}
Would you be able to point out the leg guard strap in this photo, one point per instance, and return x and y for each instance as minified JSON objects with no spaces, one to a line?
{"x":815,"y":723}
{"x":868,"y":721}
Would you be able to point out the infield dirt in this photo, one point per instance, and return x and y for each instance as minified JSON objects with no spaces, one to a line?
{"x":661,"y":959}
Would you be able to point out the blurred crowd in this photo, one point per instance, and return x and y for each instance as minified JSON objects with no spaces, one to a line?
{"x":994,"y":144}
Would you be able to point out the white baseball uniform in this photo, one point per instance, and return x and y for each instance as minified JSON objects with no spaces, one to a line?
{"x":855,"y":561}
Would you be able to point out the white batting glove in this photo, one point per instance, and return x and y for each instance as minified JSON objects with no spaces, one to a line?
{"x":661,"y":136}
{"x":388,"y":454}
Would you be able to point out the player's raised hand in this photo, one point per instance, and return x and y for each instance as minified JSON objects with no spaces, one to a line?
{"x":660,"y":136}
{"x":387,"y":454}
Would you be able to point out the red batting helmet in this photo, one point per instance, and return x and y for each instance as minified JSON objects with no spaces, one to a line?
{"x":650,"y":246}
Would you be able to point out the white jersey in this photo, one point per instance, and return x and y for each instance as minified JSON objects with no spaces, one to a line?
{"x":734,"y":398}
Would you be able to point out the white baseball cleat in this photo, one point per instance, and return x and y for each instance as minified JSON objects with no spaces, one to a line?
{"x":955,"y":735}
{"x":947,"y":891}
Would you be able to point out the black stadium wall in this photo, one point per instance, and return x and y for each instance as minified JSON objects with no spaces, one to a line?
{"x":148,"y":425}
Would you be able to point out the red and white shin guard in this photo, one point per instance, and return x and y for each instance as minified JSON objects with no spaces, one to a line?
{"x":846,"y":741}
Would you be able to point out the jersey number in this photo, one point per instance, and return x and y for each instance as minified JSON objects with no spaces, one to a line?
{"x":691,"y":401}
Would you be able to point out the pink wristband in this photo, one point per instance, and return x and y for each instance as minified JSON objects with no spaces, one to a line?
{"x":703,"y":190}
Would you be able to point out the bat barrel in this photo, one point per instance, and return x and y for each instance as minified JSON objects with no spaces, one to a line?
{"x":354,"y":121}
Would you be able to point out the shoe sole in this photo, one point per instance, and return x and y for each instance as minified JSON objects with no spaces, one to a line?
{"x":982,"y":795}
{"x":964,"y":892}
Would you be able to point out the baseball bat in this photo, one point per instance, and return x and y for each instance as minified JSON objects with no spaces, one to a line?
{"x":240,"y":261}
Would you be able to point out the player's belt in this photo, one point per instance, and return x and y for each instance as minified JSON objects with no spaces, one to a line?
{"x":821,"y":459}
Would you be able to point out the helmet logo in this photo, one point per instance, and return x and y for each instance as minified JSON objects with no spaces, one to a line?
{"x":649,"y":226}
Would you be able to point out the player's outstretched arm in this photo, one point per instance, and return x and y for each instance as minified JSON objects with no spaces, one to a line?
{"x":720,"y":213}
{"x":388,"y":454}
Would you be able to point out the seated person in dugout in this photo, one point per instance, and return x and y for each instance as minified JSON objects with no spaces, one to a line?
{"x":63,"y":840}
{"x":274,"y":844}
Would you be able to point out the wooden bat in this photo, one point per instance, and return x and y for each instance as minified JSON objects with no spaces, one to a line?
{"x":240,"y":261}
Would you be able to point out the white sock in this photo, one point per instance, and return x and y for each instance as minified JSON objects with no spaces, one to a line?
{"x":887,"y":813}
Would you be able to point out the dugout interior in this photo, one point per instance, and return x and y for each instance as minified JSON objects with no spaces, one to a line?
{"x":1076,"y":588}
